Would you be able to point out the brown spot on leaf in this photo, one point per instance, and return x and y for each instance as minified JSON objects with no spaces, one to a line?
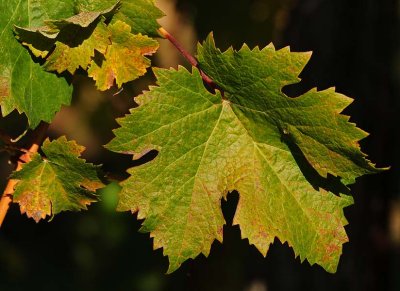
{"x":4,"y":87}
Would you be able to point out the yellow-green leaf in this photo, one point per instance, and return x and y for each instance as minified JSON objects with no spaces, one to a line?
{"x":66,"y":58}
{"x":124,"y":59}
{"x":121,"y":54}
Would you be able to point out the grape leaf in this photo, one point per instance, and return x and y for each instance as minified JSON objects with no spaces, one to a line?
{"x":211,"y":144}
{"x":121,"y":54}
{"x":74,"y":38}
{"x":24,"y":85}
{"x":141,"y":15}
{"x":61,"y":181}
{"x":124,"y":59}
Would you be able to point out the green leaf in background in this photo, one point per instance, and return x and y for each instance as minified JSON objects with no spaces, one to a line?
{"x":53,"y":27}
{"x":124,"y":59}
{"x":59,"y":182}
{"x":24,"y":85}
{"x":211,"y":144}
{"x":141,"y":15}
{"x":74,"y":39}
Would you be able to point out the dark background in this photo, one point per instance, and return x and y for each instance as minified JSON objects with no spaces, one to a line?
{"x":356,"y":48}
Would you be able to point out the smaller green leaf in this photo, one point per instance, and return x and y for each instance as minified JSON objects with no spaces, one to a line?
{"x":59,"y":182}
{"x":24,"y":85}
{"x":124,"y":59}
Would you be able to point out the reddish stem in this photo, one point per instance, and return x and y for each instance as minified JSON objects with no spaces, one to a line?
{"x":191,"y":59}
{"x":6,"y":199}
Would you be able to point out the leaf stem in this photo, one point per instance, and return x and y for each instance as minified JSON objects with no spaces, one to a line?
{"x":38,"y":137}
{"x":191,"y":59}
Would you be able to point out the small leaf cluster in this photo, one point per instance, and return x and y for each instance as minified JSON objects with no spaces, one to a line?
{"x":98,"y":38}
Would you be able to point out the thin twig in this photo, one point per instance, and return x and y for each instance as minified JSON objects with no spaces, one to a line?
{"x":191,"y":59}
{"x":38,"y":137}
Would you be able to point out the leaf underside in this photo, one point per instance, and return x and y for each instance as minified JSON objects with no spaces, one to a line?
{"x":274,"y":150}
{"x":60,"y":182}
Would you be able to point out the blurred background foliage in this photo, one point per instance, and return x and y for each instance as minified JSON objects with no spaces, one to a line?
{"x":355,"y":47}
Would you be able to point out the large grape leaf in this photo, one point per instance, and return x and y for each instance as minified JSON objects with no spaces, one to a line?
{"x":24,"y":85}
{"x":141,"y":15}
{"x":61,"y":181}
{"x":211,"y":144}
